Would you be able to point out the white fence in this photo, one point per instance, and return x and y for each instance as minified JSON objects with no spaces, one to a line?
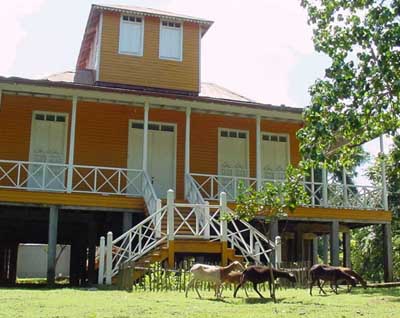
{"x":322,"y":194}
{"x":63,"y":178}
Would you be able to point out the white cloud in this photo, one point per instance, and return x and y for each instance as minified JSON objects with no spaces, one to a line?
{"x":12,"y":31}
{"x":252,"y":47}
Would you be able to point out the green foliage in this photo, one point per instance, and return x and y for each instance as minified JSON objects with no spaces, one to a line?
{"x":367,"y":247}
{"x":358,"y":98}
{"x":274,"y":199}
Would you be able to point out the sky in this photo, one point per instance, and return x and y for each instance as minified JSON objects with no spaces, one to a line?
{"x":261,"y":49}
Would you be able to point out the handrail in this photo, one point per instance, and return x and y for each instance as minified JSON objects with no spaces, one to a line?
{"x":350,"y":196}
{"x":148,"y":234}
{"x":137,"y":242}
{"x":149,"y":194}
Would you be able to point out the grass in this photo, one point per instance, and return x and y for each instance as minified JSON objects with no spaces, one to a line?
{"x":87,"y":303}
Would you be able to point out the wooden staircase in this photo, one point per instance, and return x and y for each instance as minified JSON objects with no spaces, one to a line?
{"x":190,"y":247}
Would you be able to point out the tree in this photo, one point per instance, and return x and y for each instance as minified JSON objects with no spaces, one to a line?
{"x":358,"y":98}
{"x":367,"y":244}
{"x":274,"y":199}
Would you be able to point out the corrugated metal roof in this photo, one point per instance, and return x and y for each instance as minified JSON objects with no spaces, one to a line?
{"x":152,"y":12}
{"x":207,"y":89}
{"x":217,"y":91}
{"x":64,"y":80}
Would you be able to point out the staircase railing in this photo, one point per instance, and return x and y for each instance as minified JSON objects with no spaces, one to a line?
{"x":251,"y":243}
{"x":132,"y":245}
{"x":211,"y":223}
{"x":153,"y":204}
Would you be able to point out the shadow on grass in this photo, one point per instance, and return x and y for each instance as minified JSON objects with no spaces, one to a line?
{"x":258,"y":300}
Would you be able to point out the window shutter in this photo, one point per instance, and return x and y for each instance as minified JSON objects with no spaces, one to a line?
{"x":171,"y":43}
{"x":130,"y":40}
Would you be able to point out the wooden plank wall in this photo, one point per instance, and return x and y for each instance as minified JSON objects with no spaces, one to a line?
{"x":149,"y":70}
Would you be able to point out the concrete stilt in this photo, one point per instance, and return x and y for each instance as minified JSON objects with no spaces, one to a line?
{"x":334,"y":240}
{"x":273,"y":233}
{"x":387,"y":252}
{"x":92,"y":239}
{"x":346,"y":249}
{"x":52,"y":245}
{"x":127,"y":223}
{"x":315,"y":250}
{"x":325,"y":241}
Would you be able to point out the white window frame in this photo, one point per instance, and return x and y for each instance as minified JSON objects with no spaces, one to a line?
{"x":130,"y":138}
{"x":66,"y":128}
{"x":180,"y":59}
{"x":220,"y":129}
{"x":287,"y":135}
{"x":142,"y":35}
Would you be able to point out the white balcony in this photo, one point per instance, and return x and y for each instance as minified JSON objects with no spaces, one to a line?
{"x":327,"y":194}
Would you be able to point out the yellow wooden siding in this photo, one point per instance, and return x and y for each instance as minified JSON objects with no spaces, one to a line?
{"x":73,"y":199}
{"x":204,"y":141}
{"x":15,"y":123}
{"x":334,"y":214}
{"x":149,"y":69}
{"x":285,"y":128}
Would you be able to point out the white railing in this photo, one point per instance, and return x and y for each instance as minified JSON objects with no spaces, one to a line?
{"x":329,"y":194}
{"x":251,"y":243}
{"x":364,"y":197}
{"x":193,"y":194}
{"x":133,"y":244}
{"x":54,"y":177}
{"x":150,"y":198}
{"x":33,"y":175}
{"x":107,"y":180}
{"x":210,"y":186}
{"x":151,"y":233}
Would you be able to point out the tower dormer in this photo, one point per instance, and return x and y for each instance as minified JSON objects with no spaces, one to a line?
{"x":143,"y":48}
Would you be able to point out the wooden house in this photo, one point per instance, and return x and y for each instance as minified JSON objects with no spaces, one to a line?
{"x":95,"y":150}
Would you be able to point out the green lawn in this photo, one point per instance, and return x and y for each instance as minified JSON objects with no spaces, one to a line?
{"x":82,"y":303}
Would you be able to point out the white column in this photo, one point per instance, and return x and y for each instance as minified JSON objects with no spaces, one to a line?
{"x":187,"y":145}
{"x":101,"y":260}
{"x":384,"y":186}
{"x":278,"y":251}
{"x":109,"y":258}
{"x":223,"y":223}
{"x":345,"y":192}
{"x":72,"y":145}
{"x":170,"y":214}
{"x":324,"y":187}
{"x":145,"y":135}
{"x":258,"y":151}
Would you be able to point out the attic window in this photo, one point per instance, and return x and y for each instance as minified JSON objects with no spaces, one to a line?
{"x":171,"y":40}
{"x":131,"y":35}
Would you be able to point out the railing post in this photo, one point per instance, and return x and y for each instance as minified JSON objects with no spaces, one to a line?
{"x":71,"y":152}
{"x":312,"y":187}
{"x":258,"y":152}
{"x":207,"y":221}
{"x":187,"y":148}
{"x":223,"y":211}
{"x":257,"y":250}
{"x":278,"y":251}
{"x":345,"y":192}
{"x":325,"y":187}
{"x":109,"y":258}
{"x":251,"y":234}
{"x":223,"y":227}
{"x":383,"y":168}
{"x":157,"y":220}
{"x":170,"y":214}
{"x":101,"y":260}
